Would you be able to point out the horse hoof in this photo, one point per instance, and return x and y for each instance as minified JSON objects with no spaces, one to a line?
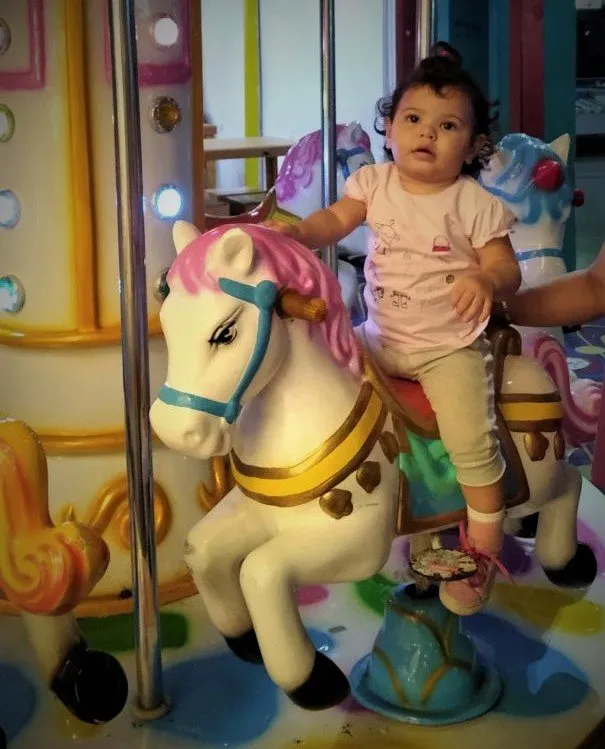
{"x":326,"y":687}
{"x":529,"y":526}
{"x":91,"y":685}
{"x":245,"y":647}
{"x":579,"y":572}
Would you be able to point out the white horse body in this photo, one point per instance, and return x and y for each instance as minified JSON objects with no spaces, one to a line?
{"x":266,"y":537}
{"x":280,"y":548}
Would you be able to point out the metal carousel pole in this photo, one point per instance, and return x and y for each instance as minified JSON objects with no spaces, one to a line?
{"x":328,"y":118}
{"x":151,"y":702}
{"x":425,"y":11}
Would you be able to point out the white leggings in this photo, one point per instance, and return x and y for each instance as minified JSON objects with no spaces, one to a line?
{"x":460,"y":387}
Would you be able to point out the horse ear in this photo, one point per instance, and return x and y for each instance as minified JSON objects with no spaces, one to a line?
{"x":561,"y":146}
{"x":183,"y":233}
{"x":234,"y":250}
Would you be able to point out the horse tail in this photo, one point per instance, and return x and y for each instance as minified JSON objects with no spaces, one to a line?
{"x":43,"y":569}
{"x":580,"y":401}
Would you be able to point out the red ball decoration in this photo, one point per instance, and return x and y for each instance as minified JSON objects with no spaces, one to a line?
{"x":548,"y":175}
{"x":578,"y":198}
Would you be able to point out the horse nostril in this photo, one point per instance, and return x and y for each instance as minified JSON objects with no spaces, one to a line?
{"x":191,"y":438}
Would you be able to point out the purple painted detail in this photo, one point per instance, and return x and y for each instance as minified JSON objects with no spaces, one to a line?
{"x":589,"y":537}
{"x":309,"y":595}
{"x":352,"y":707}
{"x":173,"y":65}
{"x":296,"y":172}
{"x":33,"y":76}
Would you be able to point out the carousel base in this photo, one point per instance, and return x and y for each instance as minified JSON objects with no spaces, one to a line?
{"x":545,"y":642}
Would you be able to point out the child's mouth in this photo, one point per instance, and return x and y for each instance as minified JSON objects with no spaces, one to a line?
{"x":424,"y":152}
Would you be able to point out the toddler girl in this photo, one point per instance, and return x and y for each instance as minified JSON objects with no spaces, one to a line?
{"x":439,"y":258}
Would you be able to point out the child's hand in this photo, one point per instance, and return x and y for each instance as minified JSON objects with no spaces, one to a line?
{"x":283,"y":227}
{"x":472,"y":296}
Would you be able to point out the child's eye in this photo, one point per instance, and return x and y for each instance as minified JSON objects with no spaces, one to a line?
{"x":448,"y":125}
{"x":413,"y":118}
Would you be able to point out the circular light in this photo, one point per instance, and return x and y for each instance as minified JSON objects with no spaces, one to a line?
{"x":12,"y":294}
{"x":7,"y":123}
{"x":165,"y":114}
{"x":10,"y":209}
{"x":164,"y":31}
{"x":161,"y":288}
{"x":167,"y":202}
{"x":5,"y":36}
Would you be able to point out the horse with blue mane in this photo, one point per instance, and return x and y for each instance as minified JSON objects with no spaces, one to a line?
{"x":330,"y":460}
{"x":532,"y":179}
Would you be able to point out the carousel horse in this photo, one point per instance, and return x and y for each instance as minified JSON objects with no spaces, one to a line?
{"x":298,"y":186}
{"x":328,"y":461}
{"x":46,"y":571}
{"x":298,"y":192}
{"x":531,"y":178}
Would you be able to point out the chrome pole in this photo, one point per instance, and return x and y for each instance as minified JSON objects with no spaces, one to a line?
{"x":424,"y":28}
{"x":328,"y":118}
{"x":135,"y":363}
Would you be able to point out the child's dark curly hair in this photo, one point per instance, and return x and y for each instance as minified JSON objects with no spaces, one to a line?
{"x":440,"y":70}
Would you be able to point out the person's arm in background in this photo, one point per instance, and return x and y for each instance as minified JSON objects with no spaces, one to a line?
{"x":572,"y":299}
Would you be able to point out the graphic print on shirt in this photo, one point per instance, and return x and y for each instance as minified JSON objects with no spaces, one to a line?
{"x":386,"y":234}
{"x":377,"y":293}
{"x":372,"y":271}
{"x":400,"y":299}
{"x":441,"y":245}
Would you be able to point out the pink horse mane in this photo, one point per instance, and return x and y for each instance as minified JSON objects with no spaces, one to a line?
{"x":297,"y":170}
{"x":288,"y":264}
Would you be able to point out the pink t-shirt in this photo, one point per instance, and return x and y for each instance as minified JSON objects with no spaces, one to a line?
{"x":421,"y":244}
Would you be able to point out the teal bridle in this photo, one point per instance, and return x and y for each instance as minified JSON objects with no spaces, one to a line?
{"x":263,"y":296}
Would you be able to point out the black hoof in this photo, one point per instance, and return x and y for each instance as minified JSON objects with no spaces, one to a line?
{"x":326,"y":687}
{"x":246,"y":647}
{"x":529,"y":526}
{"x":91,"y":685}
{"x":579,"y":572}
{"x":3,"y":741}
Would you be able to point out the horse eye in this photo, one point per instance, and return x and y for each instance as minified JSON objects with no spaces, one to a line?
{"x":161,"y":288}
{"x":224,"y":336}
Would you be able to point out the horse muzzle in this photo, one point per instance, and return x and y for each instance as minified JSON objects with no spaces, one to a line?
{"x":198,"y":435}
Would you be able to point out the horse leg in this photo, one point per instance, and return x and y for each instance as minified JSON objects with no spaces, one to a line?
{"x":566,"y":562}
{"x":214,"y":551}
{"x":345,"y":550}
{"x":91,"y":684}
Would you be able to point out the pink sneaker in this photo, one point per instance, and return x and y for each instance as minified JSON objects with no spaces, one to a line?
{"x":468,"y":596}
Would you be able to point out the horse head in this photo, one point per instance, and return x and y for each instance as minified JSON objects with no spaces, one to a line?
{"x":229,"y":292}
{"x":298,"y":185}
{"x":532,"y":179}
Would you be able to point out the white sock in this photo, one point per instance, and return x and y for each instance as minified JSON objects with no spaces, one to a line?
{"x":485,"y":517}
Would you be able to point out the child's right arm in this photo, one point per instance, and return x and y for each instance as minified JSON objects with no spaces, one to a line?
{"x":327,"y":226}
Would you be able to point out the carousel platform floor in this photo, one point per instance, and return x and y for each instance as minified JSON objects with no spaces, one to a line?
{"x":547,"y":643}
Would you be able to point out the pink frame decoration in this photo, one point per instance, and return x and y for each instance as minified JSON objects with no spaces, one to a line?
{"x":34,"y":76}
{"x":159,"y":74}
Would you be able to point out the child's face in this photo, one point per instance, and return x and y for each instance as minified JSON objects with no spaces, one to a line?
{"x":431,"y":136}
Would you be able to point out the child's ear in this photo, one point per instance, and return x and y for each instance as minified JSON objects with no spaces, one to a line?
{"x":475,"y":148}
{"x":388,"y":128}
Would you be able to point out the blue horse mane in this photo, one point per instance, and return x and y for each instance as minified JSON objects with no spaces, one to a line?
{"x":526,"y":152}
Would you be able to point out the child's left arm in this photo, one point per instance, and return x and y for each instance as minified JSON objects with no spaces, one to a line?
{"x":498,"y":278}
